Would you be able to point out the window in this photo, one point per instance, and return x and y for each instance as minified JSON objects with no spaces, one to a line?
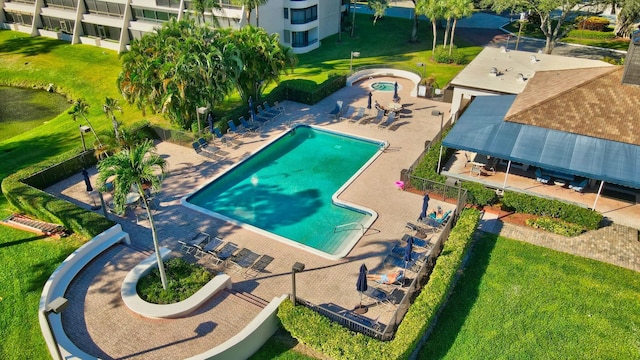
{"x":303,"y":16}
{"x":105,"y":8}
{"x":286,"y":13}
{"x":287,"y":37}
{"x":168,"y":3}
{"x":63,"y":4}
{"x":152,"y":15}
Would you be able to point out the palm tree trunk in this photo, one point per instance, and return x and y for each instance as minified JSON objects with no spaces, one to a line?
{"x":453,"y":31}
{"x":93,"y":131}
{"x":258,"y":15}
{"x":433,"y":49}
{"x":446,"y":32}
{"x":353,"y":23}
{"x":156,"y":247}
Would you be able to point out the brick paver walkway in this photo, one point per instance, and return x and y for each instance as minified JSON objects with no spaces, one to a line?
{"x":614,"y":244}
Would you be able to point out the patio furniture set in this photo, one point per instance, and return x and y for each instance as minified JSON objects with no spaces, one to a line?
{"x":226,"y":255}
{"x":560,"y":179}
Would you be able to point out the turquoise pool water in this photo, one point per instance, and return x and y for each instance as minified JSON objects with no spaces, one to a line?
{"x":383,"y":86}
{"x":287,"y":187}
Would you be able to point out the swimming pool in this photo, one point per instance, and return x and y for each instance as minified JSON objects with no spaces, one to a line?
{"x":288,"y":190}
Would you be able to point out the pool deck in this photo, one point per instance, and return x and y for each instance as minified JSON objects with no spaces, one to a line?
{"x":97,"y":320}
{"x":99,"y":323}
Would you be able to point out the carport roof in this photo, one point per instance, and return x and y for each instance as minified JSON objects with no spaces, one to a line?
{"x":482,"y":129}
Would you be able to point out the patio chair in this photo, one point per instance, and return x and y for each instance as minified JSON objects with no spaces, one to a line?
{"x":249,"y":126}
{"x":205,"y":151}
{"x":355,"y":118}
{"x":236,"y":131}
{"x":418,"y":257}
{"x":336,"y":112}
{"x":190,"y":246}
{"x":271,"y":110}
{"x":203,"y":249}
{"x":259,"y":266}
{"x":276,"y":105}
{"x":244,"y":259}
{"x":225,"y":139}
{"x":385,"y":124}
{"x":265,"y":114}
{"x":393,"y":261}
{"x":378,"y":117}
{"x":540,"y":177}
{"x":220,"y":256}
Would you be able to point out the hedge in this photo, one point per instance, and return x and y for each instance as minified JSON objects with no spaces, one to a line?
{"x":529,"y":204}
{"x":335,"y":341}
{"x":32,"y":201}
{"x":556,"y":226}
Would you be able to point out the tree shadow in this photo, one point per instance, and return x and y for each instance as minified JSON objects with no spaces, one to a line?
{"x":29,"y":46}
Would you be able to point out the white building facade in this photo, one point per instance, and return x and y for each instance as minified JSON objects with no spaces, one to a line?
{"x":113,"y":24}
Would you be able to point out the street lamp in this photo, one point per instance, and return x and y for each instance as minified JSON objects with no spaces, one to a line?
{"x":441,"y":114}
{"x":523,"y":19}
{"x":296,"y":268}
{"x":200,"y":111}
{"x":56,"y":306}
{"x":83,"y":130}
{"x":353,"y":54}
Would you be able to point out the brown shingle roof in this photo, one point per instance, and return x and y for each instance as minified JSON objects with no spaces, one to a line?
{"x":591,"y":102}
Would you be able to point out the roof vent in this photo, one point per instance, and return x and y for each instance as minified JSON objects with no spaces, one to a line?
{"x":520,"y":77}
{"x":503,"y":49}
{"x":493,"y":71}
{"x":534,"y":59}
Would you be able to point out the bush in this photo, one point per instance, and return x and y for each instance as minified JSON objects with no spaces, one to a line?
{"x":590,"y":34}
{"x":183,"y":280}
{"x":480,"y":195}
{"x":556,"y":226}
{"x":441,"y":55}
{"x":592,"y":23}
{"x":335,"y":341}
{"x":529,"y":204}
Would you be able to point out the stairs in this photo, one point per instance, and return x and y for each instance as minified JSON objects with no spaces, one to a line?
{"x":250,"y":298}
{"x":22,"y":222}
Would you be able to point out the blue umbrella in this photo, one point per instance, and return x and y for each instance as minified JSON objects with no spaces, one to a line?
{"x":425,"y":206}
{"x":369,"y":103}
{"x":210,"y":120}
{"x":395,"y":91}
{"x":361,"y":285}
{"x":407,"y":252}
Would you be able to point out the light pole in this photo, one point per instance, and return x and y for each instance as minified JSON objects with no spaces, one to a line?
{"x":353,"y":54}
{"x":441,"y":114}
{"x":83,"y":130}
{"x":523,"y":19}
{"x":296,"y":268}
{"x":56,"y":306}
{"x":199,"y":111}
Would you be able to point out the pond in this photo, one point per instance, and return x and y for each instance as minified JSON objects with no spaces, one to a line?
{"x":24,"y":109}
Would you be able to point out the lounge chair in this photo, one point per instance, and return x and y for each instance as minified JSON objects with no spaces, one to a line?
{"x":220,"y":256}
{"x":386,"y":123}
{"x":417,"y":242}
{"x":378,"y":117}
{"x":540,"y":177}
{"x":378,"y":295}
{"x":578,"y":185}
{"x":225,"y":139}
{"x":190,"y":246}
{"x":337,"y":111}
{"x":393,"y":261}
{"x":259,"y":266}
{"x":418,"y":257}
{"x":248,"y":126}
{"x":265,"y":114}
{"x":348,"y":113}
{"x":205,"y":152}
{"x":358,"y":115}
{"x":244,"y":259}
{"x":237,"y":131}
{"x":211,"y":245}
{"x":271,"y":110}
{"x":418,"y":228}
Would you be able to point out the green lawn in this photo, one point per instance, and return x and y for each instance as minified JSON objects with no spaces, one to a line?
{"x":90,"y":72}
{"x":519,"y":301}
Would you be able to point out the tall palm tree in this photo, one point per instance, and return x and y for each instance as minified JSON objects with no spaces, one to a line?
{"x":433,"y":10}
{"x":110,"y":106}
{"x":136,"y":166}
{"x":459,"y":9}
{"x":201,"y":6}
{"x":81,"y":108}
{"x":249,"y":5}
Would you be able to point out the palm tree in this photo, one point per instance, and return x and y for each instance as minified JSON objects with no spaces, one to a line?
{"x":81,"y":108}
{"x":201,"y":6}
{"x":136,"y":166}
{"x":433,"y":10}
{"x":111,"y":105}
{"x":459,"y":9}
{"x":249,"y":5}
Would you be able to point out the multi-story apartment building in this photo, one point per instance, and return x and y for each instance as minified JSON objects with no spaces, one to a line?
{"x":113,"y":24}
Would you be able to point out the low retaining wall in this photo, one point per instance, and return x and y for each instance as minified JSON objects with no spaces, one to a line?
{"x":166,"y":311}
{"x":251,"y":338}
{"x":58,"y":283}
{"x":371,"y":73}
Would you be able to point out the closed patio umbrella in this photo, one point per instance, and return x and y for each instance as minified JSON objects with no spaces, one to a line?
{"x":361,"y":286}
{"x":87,"y":181}
{"x":210,"y":120}
{"x":369,"y":102}
{"x":395,"y":91}
{"x":407,"y":252}
{"x":425,"y":206}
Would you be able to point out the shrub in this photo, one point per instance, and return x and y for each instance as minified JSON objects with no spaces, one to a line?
{"x":556,"y":226}
{"x":441,"y":55}
{"x":183,"y":280}
{"x":592,"y":23}
{"x":530,"y":204}
{"x":480,"y":195}
{"x":591,"y":34}
{"x":337,"y":342}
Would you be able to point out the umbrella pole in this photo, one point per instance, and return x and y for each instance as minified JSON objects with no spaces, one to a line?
{"x":360,"y":309}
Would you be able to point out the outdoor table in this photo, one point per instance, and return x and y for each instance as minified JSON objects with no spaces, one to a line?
{"x":132,"y":198}
{"x":395,"y":107}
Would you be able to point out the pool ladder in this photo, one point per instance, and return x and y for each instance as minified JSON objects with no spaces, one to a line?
{"x":335,"y":229}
